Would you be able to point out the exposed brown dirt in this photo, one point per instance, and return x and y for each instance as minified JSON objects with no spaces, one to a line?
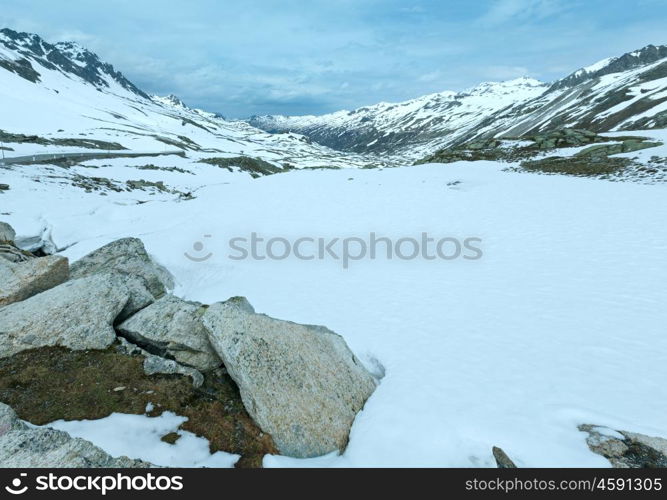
{"x":47,"y":384}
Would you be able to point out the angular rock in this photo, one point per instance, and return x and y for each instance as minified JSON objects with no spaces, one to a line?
{"x":628,"y":146}
{"x":626,"y":449}
{"x":25,"y":447}
{"x":12,"y":253}
{"x":300,"y":383}
{"x":172,"y":327}
{"x":157,"y":365}
{"x":19,"y":281}
{"x":502,"y":460}
{"x":126,"y":256}
{"x":139,"y":296}
{"x":7,"y":233}
{"x":78,"y":314}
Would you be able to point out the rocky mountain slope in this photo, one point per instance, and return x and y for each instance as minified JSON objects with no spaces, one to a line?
{"x":620,"y":93}
{"x":61,"y":98}
{"x":21,"y":50}
{"x":410,"y":125}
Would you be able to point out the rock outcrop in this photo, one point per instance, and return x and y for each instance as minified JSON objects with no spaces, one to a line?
{"x":158,"y":365}
{"x":300,"y":383}
{"x":502,"y":460}
{"x":78,"y":314}
{"x":172,"y":327}
{"x":530,"y":148}
{"x":23,"y":447}
{"x":128,"y":258}
{"x":19,"y":281}
{"x":7,"y":233}
{"x":626,"y":449}
{"x":8,"y":249}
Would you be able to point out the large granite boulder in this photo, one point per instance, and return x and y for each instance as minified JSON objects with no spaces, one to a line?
{"x":128,"y":258}
{"x":78,"y":314}
{"x":24,"y":447}
{"x":172,"y":327}
{"x":19,"y":281}
{"x":300,"y":383}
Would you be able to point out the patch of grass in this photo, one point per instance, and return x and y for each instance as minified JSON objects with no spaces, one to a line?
{"x":254,"y":166}
{"x":171,"y":438}
{"x":182,"y":142}
{"x":592,"y":161}
{"x":47,"y":384}
{"x":147,"y":185}
{"x":579,"y":166}
{"x":80,"y":143}
{"x":150,"y":166}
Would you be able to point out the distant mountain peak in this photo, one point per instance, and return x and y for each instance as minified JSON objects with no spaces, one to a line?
{"x":505,"y":86}
{"x":170,"y":100}
{"x":512,"y":108}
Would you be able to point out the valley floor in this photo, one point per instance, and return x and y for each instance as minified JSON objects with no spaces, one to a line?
{"x":560,"y":323}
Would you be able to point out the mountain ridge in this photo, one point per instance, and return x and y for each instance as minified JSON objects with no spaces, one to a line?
{"x":621,"y":93}
{"x":618,"y":93}
{"x":62,"y":98}
{"x":68,"y":57}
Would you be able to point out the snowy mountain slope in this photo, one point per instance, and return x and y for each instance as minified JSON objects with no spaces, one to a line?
{"x":631,"y":60}
{"x":21,"y":50}
{"x":406,"y":126}
{"x":624,"y":93}
{"x":620,"y":93}
{"x":60,"y":98}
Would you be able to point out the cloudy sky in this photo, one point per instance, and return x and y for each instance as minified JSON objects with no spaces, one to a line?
{"x":299,"y":57}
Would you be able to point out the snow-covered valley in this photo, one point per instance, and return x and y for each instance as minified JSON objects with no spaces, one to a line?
{"x":560,"y":323}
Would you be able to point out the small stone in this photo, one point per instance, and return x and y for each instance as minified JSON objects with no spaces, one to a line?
{"x":156,"y":365}
{"x":502,"y":460}
{"x":171,"y":438}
